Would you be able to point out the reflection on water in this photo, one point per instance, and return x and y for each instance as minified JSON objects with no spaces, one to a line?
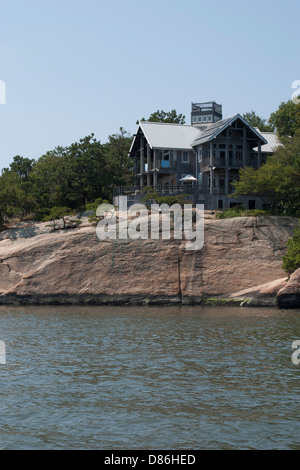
{"x":149,"y":378}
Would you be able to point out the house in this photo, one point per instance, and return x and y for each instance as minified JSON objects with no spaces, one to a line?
{"x":200,"y":160}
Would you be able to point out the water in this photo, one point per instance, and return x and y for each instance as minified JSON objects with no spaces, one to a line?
{"x":149,"y":378}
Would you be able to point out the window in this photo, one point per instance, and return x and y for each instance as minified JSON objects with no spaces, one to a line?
{"x":165,"y":162}
{"x":239,"y":152}
{"x":166,"y":155}
{"x":185,"y":157}
{"x":209,"y":182}
{"x":222,"y":151}
{"x":209,"y":118}
{"x":199,"y":119}
{"x":199,"y":154}
{"x":194,"y":119}
{"x":204,"y":119}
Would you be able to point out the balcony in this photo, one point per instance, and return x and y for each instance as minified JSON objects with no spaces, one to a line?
{"x":164,"y":166}
{"x":220,"y":163}
{"x":161,"y":190}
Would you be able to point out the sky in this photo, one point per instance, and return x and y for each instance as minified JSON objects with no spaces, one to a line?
{"x":73,"y":67}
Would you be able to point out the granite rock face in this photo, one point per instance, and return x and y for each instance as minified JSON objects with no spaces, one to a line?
{"x":289,"y":295}
{"x":73,"y":266}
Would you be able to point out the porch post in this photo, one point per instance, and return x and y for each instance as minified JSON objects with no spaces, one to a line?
{"x":142,"y":162}
{"x":211,"y":168}
{"x":244,"y":146}
{"x":148,"y":165}
{"x":259,"y":154}
{"x":227,"y":163}
{"x":135,"y":169}
{"x":154,"y":169}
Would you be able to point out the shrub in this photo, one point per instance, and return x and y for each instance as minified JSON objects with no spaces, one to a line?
{"x":291,"y":261}
{"x":58,"y":213}
{"x":240,"y":211}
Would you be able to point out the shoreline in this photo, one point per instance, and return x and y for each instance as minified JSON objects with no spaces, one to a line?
{"x":131,"y":300}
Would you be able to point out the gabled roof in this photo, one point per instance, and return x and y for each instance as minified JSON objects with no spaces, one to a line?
{"x":218,"y":127}
{"x":183,"y":137}
{"x":272,"y":142}
{"x":168,"y":136}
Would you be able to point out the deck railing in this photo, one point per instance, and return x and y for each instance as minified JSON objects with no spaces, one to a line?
{"x":132,"y":191}
{"x":161,"y":190}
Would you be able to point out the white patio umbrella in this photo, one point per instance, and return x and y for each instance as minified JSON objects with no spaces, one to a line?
{"x":188,"y":178}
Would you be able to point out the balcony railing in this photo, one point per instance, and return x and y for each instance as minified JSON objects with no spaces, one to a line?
{"x":220,"y":162}
{"x":161,"y":165}
{"x":131,"y":191}
{"x":161,"y":190}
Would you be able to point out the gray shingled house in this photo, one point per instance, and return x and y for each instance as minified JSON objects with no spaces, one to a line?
{"x":201,"y":159}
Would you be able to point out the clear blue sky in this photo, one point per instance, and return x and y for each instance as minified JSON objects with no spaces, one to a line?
{"x":74,"y":67}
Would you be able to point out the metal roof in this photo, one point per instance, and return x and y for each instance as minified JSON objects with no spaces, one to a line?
{"x":272,"y":142}
{"x":217,"y":127}
{"x":169,"y":136}
{"x":183,"y":137}
{"x":211,"y":131}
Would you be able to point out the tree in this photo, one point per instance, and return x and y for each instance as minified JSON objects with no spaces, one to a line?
{"x":168,"y":117}
{"x":291,"y":261}
{"x":286,"y":119}
{"x":16,"y":188}
{"x":50,"y":185}
{"x":278,"y":179}
{"x":119,"y":165}
{"x":58,"y":213}
{"x":255,"y":121}
{"x":87,"y":172}
{"x":72,"y":176}
{"x":22,"y":166}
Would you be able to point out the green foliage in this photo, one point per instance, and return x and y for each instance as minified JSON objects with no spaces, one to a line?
{"x":170,"y":200}
{"x":57,"y":213}
{"x":291,"y":261}
{"x":120,"y":165}
{"x":168,"y":117}
{"x":66,"y":177}
{"x":151,"y":197}
{"x":240,"y":211}
{"x":278,"y":179}
{"x":256,"y":121}
{"x":286,"y":119}
{"x":85,"y":172}
{"x":16,"y":197}
{"x":92,"y":207}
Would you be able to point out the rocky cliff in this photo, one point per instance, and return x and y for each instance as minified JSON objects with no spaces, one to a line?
{"x":39,"y":266}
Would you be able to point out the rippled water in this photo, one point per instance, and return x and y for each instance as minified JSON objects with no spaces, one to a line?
{"x":149,"y":378}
